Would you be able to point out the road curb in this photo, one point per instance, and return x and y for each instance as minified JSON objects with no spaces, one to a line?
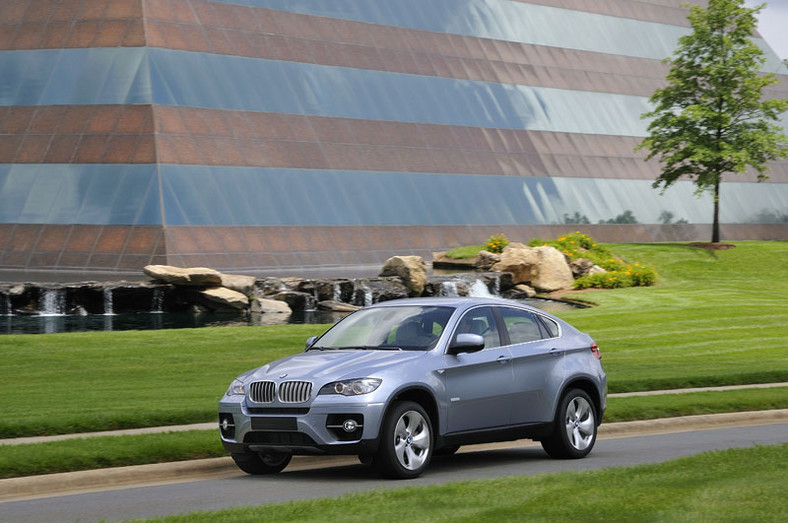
{"x":120,"y":477}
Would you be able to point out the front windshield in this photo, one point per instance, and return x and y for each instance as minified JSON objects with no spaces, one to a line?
{"x":388,"y":328}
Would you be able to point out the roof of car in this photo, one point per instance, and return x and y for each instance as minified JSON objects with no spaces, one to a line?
{"x":451,"y":301}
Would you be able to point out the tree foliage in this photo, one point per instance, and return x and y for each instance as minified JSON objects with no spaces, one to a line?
{"x":711,"y":119}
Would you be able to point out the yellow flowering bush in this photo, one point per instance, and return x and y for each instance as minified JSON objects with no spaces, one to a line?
{"x":496,"y":243}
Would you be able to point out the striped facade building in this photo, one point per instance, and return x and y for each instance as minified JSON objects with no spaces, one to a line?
{"x":272,"y":134}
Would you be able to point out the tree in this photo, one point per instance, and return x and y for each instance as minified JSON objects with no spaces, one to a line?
{"x":711,"y":119}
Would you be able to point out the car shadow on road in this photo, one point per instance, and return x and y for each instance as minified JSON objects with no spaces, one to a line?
{"x":464,"y":463}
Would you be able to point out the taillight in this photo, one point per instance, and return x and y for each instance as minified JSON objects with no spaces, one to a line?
{"x":595,"y":350}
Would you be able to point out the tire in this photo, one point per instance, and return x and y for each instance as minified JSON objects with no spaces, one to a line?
{"x":269,"y":462}
{"x":406,"y":442}
{"x":574,"y":432}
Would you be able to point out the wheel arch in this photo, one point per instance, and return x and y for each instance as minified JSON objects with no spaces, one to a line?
{"x":424,"y":398}
{"x":588,"y":386}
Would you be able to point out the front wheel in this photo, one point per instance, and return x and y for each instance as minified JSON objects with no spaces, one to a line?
{"x":575,"y":428}
{"x":405,"y":441}
{"x":268,"y":462}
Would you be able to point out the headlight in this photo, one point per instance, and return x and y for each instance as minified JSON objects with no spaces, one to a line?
{"x":351,"y":387}
{"x":236,"y":388}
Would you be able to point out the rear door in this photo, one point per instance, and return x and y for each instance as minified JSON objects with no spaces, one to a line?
{"x":535,"y":360}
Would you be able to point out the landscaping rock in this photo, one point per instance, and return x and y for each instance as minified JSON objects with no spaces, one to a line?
{"x":485,"y":260}
{"x":544,"y":268}
{"x":225,"y":298}
{"x":180,"y":276}
{"x":411,"y":269}
{"x":267,"y":306}
{"x":336,"y":306}
{"x":580,"y":267}
{"x":441,"y":261}
{"x":238,"y":282}
{"x":295,"y":300}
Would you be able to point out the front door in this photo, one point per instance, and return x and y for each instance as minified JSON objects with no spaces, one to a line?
{"x":479,"y":385}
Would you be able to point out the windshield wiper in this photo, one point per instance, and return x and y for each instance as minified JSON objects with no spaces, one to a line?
{"x":370,"y":347}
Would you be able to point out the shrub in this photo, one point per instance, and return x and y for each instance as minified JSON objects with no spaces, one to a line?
{"x":496,"y":243}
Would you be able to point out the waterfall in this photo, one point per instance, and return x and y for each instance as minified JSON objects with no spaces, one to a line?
{"x":108,"y":302}
{"x":8,"y":306}
{"x":336,"y":295}
{"x":367,"y":295}
{"x":479,"y":290}
{"x":448,"y":288}
{"x":158,"y":301}
{"x":52,"y":303}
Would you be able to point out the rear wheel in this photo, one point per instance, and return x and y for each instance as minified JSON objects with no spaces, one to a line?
{"x":575,"y":428}
{"x":405,"y":442}
{"x":268,"y":462}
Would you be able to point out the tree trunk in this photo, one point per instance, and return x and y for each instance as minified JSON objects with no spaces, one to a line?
{"x":715,"y":228}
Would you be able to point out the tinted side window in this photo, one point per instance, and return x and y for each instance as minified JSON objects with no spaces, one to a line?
{"x":521,"y":325}
{"x":551,"y":326}
{"x":480,"y":321}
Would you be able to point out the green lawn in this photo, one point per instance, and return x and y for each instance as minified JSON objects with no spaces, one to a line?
{"x":731,"y":485}
{"x":713,"y":319}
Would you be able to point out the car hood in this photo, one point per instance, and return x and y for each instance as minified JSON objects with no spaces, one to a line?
{"x":325,"y":366}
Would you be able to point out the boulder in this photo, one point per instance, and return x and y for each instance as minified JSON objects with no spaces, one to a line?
{"x":225,"y":298}
{"x":485,"y":260}
{"x":181,"y":276}
{"x":544,"y":268}
{"x":411,"y":269}
{"x":441,"y":261}
{"x":336,"y":306}
{"x":379,"y":289}
{"x":238,"y":282}
{"x":295,"y":300}
{"x":580,"y":266}
{"x":267,"y":306}
{"x":526,"y":290}
{"x":596,"y":269}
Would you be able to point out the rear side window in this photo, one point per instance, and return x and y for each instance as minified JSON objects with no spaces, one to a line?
{"x":521,"y":325}
{"x":550,"y":326}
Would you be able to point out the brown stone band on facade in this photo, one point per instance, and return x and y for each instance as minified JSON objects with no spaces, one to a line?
{"x":54,"y":24}
{"x":193,"y":136}
{"x":77,"y":134}
{"x":129,"y":248}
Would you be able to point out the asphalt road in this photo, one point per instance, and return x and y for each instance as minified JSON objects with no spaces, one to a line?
{"x":347,"y":475}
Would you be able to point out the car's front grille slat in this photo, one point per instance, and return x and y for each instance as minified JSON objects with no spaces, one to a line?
{"x":295,"y":391}
{"x":262,"y":391}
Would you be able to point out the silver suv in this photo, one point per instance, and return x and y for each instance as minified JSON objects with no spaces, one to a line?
{"x":399,"y":381}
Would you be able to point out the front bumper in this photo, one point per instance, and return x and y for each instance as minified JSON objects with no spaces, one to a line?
{"x":326,"y":426}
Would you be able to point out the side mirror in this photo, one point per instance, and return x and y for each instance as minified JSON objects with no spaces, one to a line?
{"x":309,"y":342}
{"x":466,"y":343}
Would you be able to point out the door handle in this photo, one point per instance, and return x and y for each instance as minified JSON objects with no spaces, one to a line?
{"x":503,"y":359}
{"x":555,"y":352}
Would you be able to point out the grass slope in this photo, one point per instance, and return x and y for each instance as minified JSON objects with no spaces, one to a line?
{"x":713,"y":319}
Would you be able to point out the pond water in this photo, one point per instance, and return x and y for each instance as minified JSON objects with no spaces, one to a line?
{"x":54,"y":323}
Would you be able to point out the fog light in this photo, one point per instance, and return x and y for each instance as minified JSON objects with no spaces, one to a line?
{"x":349,"y":425}
{"x":225,"y":424}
